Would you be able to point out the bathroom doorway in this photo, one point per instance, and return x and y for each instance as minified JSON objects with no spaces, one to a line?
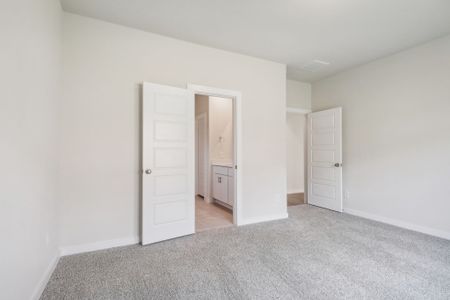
{"x":214,"y":162}
{"x":216,"y":200}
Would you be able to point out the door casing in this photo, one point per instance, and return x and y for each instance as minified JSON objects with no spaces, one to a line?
{"x":201,"y":120}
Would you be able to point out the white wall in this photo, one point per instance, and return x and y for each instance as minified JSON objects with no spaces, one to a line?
{"x":298,"y":94}
{"x":29,"y":95}
{"x":221,"y":126}
{"x":104,"y":65}
{"x":295,"y":152}
{"x":396,"y":138}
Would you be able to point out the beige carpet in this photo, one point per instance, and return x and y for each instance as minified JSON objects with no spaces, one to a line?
{"x":315,"y":254}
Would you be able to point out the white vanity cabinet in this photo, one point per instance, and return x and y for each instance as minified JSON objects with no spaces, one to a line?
{"x":223,"y":185}
{"x":220,"y":187}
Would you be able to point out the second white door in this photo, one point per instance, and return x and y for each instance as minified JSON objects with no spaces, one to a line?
{"x":325,"y":159}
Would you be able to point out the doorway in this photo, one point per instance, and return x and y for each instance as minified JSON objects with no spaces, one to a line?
{"x":314,"y":158}
{"x":296,"y":156}
{"x":214,"y":162}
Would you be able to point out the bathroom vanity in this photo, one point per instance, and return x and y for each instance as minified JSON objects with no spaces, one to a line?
{"x":223,"y":184}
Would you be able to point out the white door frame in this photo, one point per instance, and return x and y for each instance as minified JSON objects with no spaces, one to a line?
{"x":237,"y":135}
{"x":305,"y":112}
{"x":203,"y":118}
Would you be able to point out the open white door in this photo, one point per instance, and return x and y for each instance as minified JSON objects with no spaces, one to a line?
{"x":325,"y":159}
{"x":168,"y":178}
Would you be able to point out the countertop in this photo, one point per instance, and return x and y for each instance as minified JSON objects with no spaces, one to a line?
{"x":223,"y":164}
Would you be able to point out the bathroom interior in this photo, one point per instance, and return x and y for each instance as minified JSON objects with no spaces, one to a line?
{"x":214,"y":160}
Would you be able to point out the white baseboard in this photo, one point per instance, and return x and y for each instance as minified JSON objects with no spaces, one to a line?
{"x":45,"y":278}
{"x":295,"y":191}
{"x":263,"y":219}
{"x":398,"y":223}
{"x":100,"y":245}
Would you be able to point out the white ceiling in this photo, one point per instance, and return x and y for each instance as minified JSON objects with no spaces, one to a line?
{"x":344,"y":33}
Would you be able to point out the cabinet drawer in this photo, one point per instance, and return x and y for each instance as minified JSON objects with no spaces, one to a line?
{"x":220,"y":187}
{"x":220,"y":170}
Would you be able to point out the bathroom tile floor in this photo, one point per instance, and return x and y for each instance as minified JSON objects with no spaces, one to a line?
{"x":211,"y":215}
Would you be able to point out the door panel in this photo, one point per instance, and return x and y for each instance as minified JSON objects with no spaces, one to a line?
{"x":325,"y":159}
{"x":173,"y":184}
{"x":170,"y":157}
{"x":170,"y":212}
{"x":323,"y":155}
{"x":170,"y":131}
{"x":168,"y":201}
{"x":323,"y":173}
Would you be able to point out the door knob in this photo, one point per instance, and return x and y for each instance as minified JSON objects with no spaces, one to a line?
{"x":337,"y":165}
{"x":148,"y":171}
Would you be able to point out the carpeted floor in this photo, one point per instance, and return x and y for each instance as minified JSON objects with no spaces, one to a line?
{"x":315,"y":254}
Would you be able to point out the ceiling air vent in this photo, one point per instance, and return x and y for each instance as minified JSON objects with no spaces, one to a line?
{"x":315,"y":65}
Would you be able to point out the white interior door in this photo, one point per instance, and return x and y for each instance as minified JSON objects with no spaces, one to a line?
{"x":168,"y":179}
{"x":201,"y":154}
{"x":325,"y":159}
